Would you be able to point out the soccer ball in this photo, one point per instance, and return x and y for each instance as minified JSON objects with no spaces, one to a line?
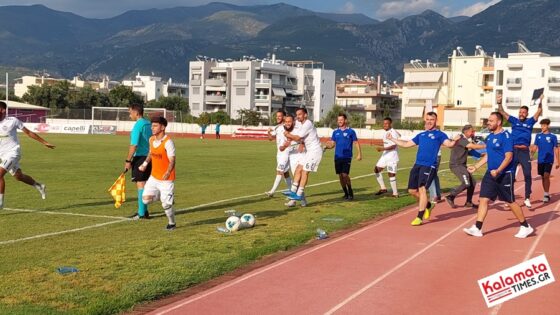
{"x":233,"y":223}
{"x":247,"y":220}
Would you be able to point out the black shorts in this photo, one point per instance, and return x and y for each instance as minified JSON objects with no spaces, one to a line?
{"x":342,"y":166}
{"x":137,"y":175}
{"x":501,"y":187}
{"x":421,"y":176}
{"x":544,"y":168}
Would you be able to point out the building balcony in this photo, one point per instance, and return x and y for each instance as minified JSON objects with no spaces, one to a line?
{"x":216,"y":98}
{"x":513,"y":102}
{"x":553,"y":102}
{"x":195,"y":82}
{"x":262,"y":98}
{"x":215,"y":82}
{"x":487,"y":87}
{"x":513,"y":83}
{"x":554,"y":82}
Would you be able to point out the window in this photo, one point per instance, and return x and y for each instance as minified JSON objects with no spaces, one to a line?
{"x":459,"y":102}
{"x":500,"y":79}
{"x":241,"y":75}
{"x":195,"y":106}
{"x":196,"y":90}
{"x":195,"y":76}
{"x":542,"y":73}
{"x":240,"y":91}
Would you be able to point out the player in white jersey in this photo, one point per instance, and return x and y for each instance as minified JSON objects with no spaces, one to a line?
{"x":10,"y":152}
{"x":296,"y":152}
{"x":313,"y":155}
{"x":389,"y":159}
{"x":282,"y":156}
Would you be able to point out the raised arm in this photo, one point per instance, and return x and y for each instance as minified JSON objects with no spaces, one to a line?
{"x":501,"y":108}
{"x":539,"y":109}
{"x":35,"y":136}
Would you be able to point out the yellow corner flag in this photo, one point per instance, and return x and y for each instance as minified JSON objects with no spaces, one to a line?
{"x":118,"y":190}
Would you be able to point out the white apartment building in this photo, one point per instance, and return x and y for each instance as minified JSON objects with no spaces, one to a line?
{"x":152,"y":88}
{"x":369,"y":98}
{"x":471,"y":88}
{"x":521,"y":73}
{"x":260,"y":85}
{"x":22,"y":84}
{"x":425,"y":86}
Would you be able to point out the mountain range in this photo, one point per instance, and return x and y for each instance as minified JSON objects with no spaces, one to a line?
{"x":162,"y":41}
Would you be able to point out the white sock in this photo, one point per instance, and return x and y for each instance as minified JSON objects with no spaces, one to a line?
{"x":277,"y":181}
{"x":288,"y":181}
{"x":300,"y":191}
{"x":393,"y":182}
{"x":545,"y":194}
{"x":170,"y":215}
{"x":294,"y":186}
{"x":379,"y":178}
{"x":1,"y":201}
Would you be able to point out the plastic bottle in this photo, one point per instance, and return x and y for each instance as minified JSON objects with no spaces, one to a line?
{"x":222,"y":229}
{"x":321,"y":234}
{"x":65,"y":270}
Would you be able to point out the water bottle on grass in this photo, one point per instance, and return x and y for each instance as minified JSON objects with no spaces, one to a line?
{"x":321,"y":234}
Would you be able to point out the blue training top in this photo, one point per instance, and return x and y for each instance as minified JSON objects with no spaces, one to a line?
{"x":546,"y":142}
{"x":429,"y":143}
{"x":344,"y":140}
{"x":496,"y":147}
{"x":521,"y":130}
{"x":140,"y":136}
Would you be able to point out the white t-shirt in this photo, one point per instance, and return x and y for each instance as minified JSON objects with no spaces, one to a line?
{"x":169,"y":146}
{"x":391,"y":154}
{"x":309,"y":134}
{"x":9,"y":142}
{"x":278,"y":131}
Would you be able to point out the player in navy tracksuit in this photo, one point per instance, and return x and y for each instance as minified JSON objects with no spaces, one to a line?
{"x":498,"y":179}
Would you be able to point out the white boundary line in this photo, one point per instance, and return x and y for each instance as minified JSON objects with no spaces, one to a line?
{"x":496,"y":309}
{"x":388,"y":273}
{"x":284,"y":261}
{"x":67,"y":213}
{"x":397,"y":267}
{"x":61,"y":232}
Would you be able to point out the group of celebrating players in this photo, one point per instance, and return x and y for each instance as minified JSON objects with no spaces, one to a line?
{"x":300,"y":150}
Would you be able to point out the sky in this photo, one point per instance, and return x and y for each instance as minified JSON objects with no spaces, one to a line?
{"x":377,"y":9}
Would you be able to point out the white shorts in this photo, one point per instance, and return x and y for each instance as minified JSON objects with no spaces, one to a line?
{"x":390,"y":164}
{"x":311,"y":160}
{"x":283,"y":161}
{"x":162,"y":188}
{"x":10,"y":162}
{"x":294,"y":160}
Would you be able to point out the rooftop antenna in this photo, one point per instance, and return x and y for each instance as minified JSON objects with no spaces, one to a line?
{"x":521,"y":47}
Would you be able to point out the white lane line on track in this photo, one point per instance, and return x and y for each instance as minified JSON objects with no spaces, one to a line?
{"x":397,"y":267}
{"x":388,"y":273}
{"x":61,"y":232}
{"x":282,"y":262}
{"x":496,"y":309}
{"x":67,"y":213}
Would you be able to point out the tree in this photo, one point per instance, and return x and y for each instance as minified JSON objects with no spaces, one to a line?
{"x":249,"y":117}
{"x":122,"y":96}
{"x":11,"y":97}
{"x":53,"y":96}
{"x":175,"y":103}
{"x":330,"y":118}
{"x":88,"y":98}
{"x":220,"y":117}
{"x":356,"y":120}
{"x":203,"y":119}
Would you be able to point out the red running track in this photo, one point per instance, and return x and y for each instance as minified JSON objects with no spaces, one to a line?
{"x":391,"y":267}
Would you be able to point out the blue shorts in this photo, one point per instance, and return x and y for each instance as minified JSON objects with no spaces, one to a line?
{"x":421,"y":176}
{"x":501,"y":187}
